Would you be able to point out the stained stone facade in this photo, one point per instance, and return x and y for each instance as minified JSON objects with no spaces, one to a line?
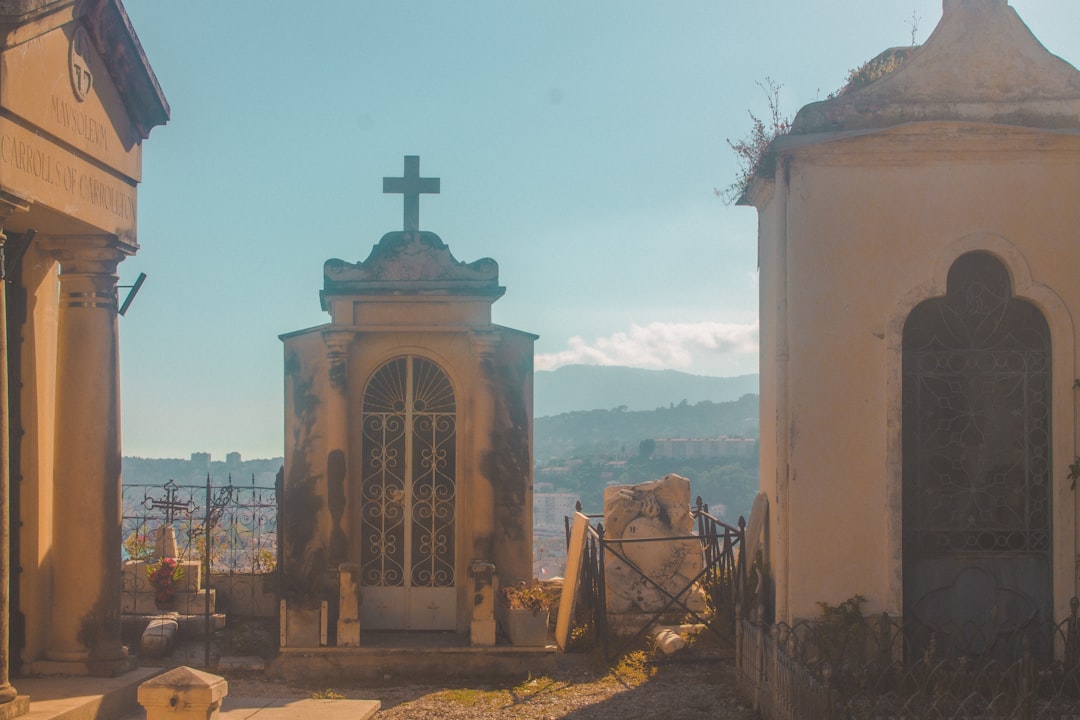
{"x":919,"y":304}
{"x":78,"y":98}
{"x":408,"y":444}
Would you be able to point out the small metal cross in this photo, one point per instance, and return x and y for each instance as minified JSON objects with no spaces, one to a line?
{"x":170,"y":504}
{"x":411,"y":186}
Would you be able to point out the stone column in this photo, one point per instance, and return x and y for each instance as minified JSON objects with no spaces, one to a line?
{"x":483,"y":488}
{"x":483,"y":571}
{"x":8,"y":206}
{"x":85,"y":612}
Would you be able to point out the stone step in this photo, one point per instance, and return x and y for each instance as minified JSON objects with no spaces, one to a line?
{"x":191,"y":626}
{"x":264,"y":708}
{"x":186,"y":603}
{"x":83,"y":698}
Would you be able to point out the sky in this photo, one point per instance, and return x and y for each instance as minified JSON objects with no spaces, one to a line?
{"x":579,"y":144}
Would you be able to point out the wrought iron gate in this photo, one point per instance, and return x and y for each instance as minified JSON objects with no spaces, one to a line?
{"x":976,"y":463}
{"x":408,"y":498}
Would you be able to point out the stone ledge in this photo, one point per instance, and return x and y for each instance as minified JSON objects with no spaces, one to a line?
{"x":332,"y":665}
{"x":83,"y":698}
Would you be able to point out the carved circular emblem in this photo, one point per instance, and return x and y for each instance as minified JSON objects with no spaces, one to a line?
{"x":82,"y":79}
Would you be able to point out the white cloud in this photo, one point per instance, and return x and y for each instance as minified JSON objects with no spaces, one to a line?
{"x":678,"y":346}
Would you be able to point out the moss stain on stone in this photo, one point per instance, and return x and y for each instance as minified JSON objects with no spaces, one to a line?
{"x":305,"y":559}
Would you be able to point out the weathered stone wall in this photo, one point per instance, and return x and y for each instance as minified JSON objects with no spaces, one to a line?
{"x":304,"y":520}
{"x":511,"y":461}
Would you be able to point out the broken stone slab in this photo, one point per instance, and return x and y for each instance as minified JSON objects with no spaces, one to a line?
{"x":159,"y":636}
{"x":664,"y":560}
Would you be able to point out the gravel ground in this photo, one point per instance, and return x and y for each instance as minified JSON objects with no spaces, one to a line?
{"x":633,"y":689}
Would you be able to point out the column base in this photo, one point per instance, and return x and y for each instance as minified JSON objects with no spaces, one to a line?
{"x":67,"y":656}
{"x":94,"y":668}
{"x":482,"y":632}
{"x":19,"y":706}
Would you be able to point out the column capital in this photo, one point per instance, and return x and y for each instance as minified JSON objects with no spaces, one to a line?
{"x":337,"y":340}
{"x":484,"y":343}
{"x":9,"y":205}
{"x":86,"y":254}
{"x":337,"y":351}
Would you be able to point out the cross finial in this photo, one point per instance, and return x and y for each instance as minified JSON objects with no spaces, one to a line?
{"x":411,"y":186}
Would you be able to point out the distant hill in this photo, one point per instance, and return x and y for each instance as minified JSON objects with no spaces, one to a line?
{"x":572,"y":388}
{"x":615,"y":433}
{"x":193,"y":471}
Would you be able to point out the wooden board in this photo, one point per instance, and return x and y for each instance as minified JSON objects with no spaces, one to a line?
{"x":758,"y":513}
{"x":574,"y":554}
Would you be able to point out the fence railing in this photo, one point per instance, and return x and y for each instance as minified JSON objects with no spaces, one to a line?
{"x":866,"y":668}
{"x":229,"y":527}
{"x":721,"y":576}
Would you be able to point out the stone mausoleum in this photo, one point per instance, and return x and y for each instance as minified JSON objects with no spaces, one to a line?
{"x":919,"y":245}
{"x":77,"y":100}
{"x":408,"y":446}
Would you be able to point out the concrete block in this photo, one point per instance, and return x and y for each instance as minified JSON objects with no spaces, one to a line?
{"x":183,"y":694}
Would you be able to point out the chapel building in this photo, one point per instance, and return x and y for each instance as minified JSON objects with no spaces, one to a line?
{"x":919,"y":238}
{"x":407,"y":497}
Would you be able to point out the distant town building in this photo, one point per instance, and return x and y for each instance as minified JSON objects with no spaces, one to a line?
{"x":550,"y":508}
{"x":686,"y":448}
{"x":232,"y":458}
{"x":201,"y":460}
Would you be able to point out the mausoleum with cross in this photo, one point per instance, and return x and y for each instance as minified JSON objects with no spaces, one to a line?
{"x":408,"y":445}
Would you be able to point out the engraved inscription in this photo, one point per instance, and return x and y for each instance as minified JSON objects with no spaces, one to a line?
{"x":82,"y":78}
{"x":49,"y":168}
{"x":79,"y":122}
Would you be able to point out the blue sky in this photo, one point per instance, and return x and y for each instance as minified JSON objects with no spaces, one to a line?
{"x":578,"y":143}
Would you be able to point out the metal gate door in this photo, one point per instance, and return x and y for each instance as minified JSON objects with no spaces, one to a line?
{"x":408,"y":497}
{"x":976,"y":466}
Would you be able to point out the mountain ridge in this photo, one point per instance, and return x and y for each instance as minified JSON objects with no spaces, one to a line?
{"x":574,"y":388}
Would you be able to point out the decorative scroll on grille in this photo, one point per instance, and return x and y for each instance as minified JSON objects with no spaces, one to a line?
{"x":408,"y":483}
{"x":242,"y":517}
{"x":977,"y":418}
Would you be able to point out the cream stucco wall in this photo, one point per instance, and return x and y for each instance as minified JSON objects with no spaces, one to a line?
{"x":855,"y":231}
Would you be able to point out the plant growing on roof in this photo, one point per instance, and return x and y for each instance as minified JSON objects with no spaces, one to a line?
{"x":753,"y":151}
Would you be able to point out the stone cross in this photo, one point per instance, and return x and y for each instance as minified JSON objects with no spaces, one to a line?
{"x":411,"y":186}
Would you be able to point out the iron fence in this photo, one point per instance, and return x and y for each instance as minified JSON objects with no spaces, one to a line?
{"x":721,"y":577}
{"x":228,"y":528}
{"x":877,"y":668}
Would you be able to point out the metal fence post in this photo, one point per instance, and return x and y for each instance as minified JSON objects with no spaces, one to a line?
{"x":826,"y":673}
{"x":601,"y":611}
{"x":1072,"y":635}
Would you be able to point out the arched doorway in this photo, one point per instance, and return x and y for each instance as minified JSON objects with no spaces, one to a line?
{"x":976,"y":466}
{"x":408,"y":479}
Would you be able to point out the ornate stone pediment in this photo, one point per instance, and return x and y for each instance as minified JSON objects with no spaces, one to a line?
{"x":411,"y":261}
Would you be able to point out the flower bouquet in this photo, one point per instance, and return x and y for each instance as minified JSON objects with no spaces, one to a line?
{"x":165,"y":576}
